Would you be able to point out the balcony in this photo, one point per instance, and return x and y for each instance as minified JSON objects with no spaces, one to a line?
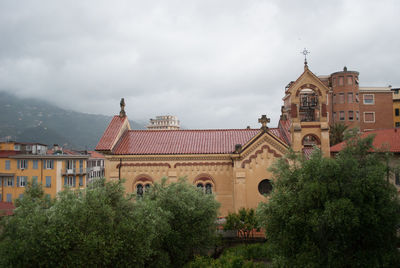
{"x":75,"y":171}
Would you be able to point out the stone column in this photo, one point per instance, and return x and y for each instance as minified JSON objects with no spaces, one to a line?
{"x":239,"y":199}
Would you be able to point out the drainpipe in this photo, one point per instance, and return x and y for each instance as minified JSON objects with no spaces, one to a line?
{"x":119,"y":169}
{"x":2,"y":189}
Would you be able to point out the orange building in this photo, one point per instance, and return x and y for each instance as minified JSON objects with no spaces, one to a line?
{"x":396,"y":106}
{"x":230,"y":163}
{"x":55,"y":169}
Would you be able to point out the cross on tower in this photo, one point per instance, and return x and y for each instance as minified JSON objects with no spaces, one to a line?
{"x":264,"y":120}
{"x":305,"y":52}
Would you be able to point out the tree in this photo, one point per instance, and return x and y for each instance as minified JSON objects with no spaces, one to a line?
{"x":192,"y":220}
{"x":337,"y":133}
{"x":244,"y":222}
{"x":99,"y":226}
{"x":332,"y":212}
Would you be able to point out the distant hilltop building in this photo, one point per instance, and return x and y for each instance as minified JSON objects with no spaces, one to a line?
{"x":164,"y":122}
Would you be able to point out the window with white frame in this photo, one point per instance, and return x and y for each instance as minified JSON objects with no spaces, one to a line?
{"x":10,"y":181}
{"x":22,"y":164}
{"x":369,"y":99}
{"x":369,"y":117}
{"x":21,"y":181}
{"x":357,"y":115}
{"x":69,"y":181}
{"x":48,"y":164}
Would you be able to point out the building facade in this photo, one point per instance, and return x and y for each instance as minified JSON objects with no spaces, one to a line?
{"x":55,"y":169}
{"x":367,"y":108}
{"x":396,"y":107}
{"x":232,"y":164}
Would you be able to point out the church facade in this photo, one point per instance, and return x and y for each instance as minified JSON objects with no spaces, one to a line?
{"x":230,"y":163}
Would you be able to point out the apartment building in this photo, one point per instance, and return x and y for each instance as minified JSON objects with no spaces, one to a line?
{"x":23,"y":163}
{"x":367,"y":108}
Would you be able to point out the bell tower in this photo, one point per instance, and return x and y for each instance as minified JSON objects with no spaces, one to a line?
{"x":305,"y":106}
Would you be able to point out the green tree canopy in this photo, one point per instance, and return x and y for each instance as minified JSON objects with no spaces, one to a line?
{"x":244,"y":222}
{"x":332,"y":212}
{"x":192,"y":220}
{"x":101,"y":226}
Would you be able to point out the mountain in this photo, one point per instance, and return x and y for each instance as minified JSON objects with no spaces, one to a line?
{"x":33,"y":120}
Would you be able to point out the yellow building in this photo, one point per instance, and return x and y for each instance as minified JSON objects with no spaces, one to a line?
{"x":21,"y":163}
{"x":231,"y":163}
{"x":396,"y":106}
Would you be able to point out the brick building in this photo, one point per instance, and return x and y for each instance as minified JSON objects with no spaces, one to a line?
{"x":367,"y":108}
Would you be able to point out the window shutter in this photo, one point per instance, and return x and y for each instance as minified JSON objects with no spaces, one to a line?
{"x":17,"y":181}
{"x":27,"y":164}
{"x":12,"y":181}
{"x":19,"y":164}
{"x":74,"y":181}
{"x":65,"y":180}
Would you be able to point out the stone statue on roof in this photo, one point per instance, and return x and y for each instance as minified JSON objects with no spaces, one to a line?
{"x":122,"y":104}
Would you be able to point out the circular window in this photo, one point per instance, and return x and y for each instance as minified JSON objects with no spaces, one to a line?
{"x":265,"y":187}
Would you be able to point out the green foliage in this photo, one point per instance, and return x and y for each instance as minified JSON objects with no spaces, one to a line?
{"x":100,"y":226}
{"x":253,"y":255}
{"x":332,"y":212}
{"x":337,"y":133}
{"x":244,"y":222}
{"x":95,"y":227}
{"x":192,"y":220}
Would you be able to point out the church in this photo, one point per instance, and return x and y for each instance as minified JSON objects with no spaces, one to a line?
{"x":232,"y":164}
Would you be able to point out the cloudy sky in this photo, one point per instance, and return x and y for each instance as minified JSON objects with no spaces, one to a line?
{"x":214,"y":64}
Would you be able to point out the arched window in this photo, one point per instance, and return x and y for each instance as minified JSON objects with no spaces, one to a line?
{"x":147,"y":187}
{"x":205,"y":183}
{"x":310,"y":140}
{"x":265,"y":187}
{"x":208,"y":188}
{"x":139,"y":190}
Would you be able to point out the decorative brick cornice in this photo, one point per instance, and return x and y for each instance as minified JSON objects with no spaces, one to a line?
{"x":256,"y":153}
{"x":311,"y":86}
{"x":144,"y":165}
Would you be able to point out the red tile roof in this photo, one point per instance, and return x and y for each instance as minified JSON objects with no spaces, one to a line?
{"x":384,"y":138}
{"x":217,"y":141}
{"x":307,"y":151}
{"x":284,"y":126}
{"x":7,"y":153}
{"x":94,"y":154}
{"x":6,"y":208}
{"x":107,"y":140}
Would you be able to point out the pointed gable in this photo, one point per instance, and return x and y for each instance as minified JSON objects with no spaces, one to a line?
{"x":114,"y":131}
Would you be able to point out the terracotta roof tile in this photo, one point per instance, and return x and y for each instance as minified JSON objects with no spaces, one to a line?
{"x":94,"y":154}
{"x":284,"y":126}
{"x":384,"y":138}
{"x":111,"y":133}
{"x":6,"y":208}
{"x":219,"y":141}
{"x":7,"y":153}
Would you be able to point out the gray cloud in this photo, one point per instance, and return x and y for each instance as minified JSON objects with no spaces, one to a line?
{"x":214,"y":64}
